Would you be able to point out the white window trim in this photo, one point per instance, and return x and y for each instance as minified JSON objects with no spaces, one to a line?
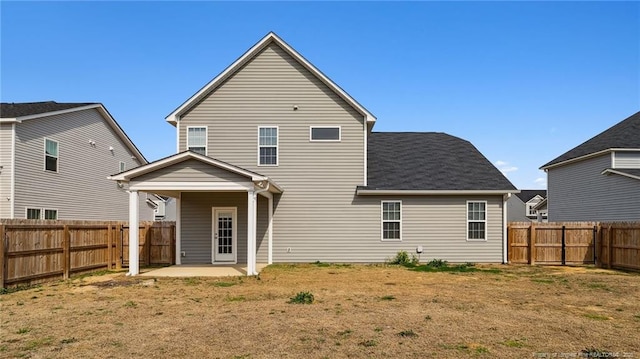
{"x":382,"y":221}
{"x":26,"y":212}
{"x":44,"y":165}
{"x":339,"y":133}
{"x":41,"y":214}
{"x":206,"y":138}
{"x":277,"y":147}
{"x":50,"y":209}
{"x":486,"y":215}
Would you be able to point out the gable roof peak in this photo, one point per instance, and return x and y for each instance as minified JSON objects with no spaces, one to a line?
{"x":271,"y":37}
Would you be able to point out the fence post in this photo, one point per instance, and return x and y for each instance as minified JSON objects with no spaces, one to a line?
{"x":147,"y":243}
{"x":66,"y":252}
{"x":532,"y":244}
{"x":595,"y":240}
{"x":109,"y":245}
{"x":610,"y":246}
{"x":3,"y":257}
{"x":118,"y":234}
{"x":564,"y":247}
{"x":172,"y":242}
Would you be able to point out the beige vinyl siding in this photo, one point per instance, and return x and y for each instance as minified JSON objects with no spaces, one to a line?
{"x":627,"y":159}
{"x":196,"y":228}
{"x":6,"y":171}
{"x":579,"y":192}
{"x":80,"y":189}
{"x":192,"y":171}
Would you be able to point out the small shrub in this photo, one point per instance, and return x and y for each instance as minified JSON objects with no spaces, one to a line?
{"x":387,"y":297}
{"x":302,"y":298}
{"x":403,"y":258}
{"x":23,"y":330}
{"x":408,"y":334}
{"x":437,"y":263}
{"x":596,"y":316}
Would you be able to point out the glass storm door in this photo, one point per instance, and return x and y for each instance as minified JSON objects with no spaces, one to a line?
{"x":224,"y":235}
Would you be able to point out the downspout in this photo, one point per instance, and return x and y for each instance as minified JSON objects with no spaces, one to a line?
{"x":505,"y":258}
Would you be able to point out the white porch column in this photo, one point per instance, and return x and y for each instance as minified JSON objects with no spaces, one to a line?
{"x":178,"y":230}
{"x":270,"y":230}
{"x":134,"y":202}
{"x":251,"y":232}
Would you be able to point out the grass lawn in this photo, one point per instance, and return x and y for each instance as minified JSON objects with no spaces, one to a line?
{"x":358,"y":311}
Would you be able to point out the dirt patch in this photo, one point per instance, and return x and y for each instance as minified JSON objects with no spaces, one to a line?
{"x":357,"y":311}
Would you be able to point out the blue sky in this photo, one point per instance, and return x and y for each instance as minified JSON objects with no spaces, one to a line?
{"x":523,"y":81}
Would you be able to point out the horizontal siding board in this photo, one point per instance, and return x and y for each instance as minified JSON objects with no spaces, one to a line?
{"x":579,"y":192}
{"x":80,"y":190}
{"x":191,"y":171}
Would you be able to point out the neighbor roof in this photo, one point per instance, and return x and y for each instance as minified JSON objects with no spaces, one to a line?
{"x":526,"y":195}
{"x":625,"y":134}
{"x":270,"y":38}
{"x":13,"y":110}
{"x":429,"y":161}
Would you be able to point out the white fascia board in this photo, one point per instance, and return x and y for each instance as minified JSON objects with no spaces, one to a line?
{"x":191,"y":186}
{"x":9,"y":120}
{"x":174,"y":116}
{"x":590,"y":155}
{"x":612,"y":171}
{"x":370,"y":192}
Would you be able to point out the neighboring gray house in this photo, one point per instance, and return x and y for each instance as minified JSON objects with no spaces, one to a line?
{"x":522,"y":206}
{"x":164,"y":208}
{"x":55,"y":159}
{"x":598,"y":180}
{"x":276,"y":163}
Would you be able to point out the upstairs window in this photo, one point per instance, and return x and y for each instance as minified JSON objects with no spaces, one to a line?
{"x":122,"y":166}
{"x":391,"y":220}
{"x":267,"y":146}
{"x":476,"y":220}
{"x":50,"y":155}
{"x":324,"y":133}
{"x":197,"y":140}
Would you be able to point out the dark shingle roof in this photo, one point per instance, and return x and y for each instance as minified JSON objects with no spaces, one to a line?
{"x":526,"y":194}
{"x":429,"y":161}
{"x":625,"y":134}
{"x":13,"y":110}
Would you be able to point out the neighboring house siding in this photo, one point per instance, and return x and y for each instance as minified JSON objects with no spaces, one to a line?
{"x":196,"y":234}
{"x":192,"y":171}
{"x":578,"y":192}
{"x":627,"y":159}
{"x":80,"y":189}
{"x":6,"y":170}
{"x":315,"y":215}
{"x":516,"y":210}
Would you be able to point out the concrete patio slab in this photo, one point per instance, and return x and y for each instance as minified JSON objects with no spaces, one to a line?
{"x":199,"y":271}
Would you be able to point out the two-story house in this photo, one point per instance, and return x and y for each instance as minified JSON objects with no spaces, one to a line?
{"x":523,"y":207}
{"x":599,"y":180}
{"x":276,"y":163}
{"x":55,"y":159}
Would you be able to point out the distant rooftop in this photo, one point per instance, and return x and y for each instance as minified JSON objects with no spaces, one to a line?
{"x":13,"y":110}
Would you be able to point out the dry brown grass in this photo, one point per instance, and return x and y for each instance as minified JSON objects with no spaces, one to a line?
{"x":359,"y":312}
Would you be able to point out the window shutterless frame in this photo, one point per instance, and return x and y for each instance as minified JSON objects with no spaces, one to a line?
{"x":391,"y":220}
{"x":325,"y":133}
{"x":476,"y":220}
{"x":197,"y":138}
{"x":268,"y":146}
{"x":51,"y":155}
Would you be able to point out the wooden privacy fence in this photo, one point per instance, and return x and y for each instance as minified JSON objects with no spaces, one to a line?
{"x":611,"y":245}
{"x":34,"y":251}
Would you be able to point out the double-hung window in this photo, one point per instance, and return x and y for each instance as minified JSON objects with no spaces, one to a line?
{"x":476,"y":220}
{"x":197,"y":140}
{"x":267,"y":146}
{"x":391,"y":220}
{"x":50,"y":155}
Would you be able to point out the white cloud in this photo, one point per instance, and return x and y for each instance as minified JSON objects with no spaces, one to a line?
{"x":541,"y":181}
{"x":504,"y":167}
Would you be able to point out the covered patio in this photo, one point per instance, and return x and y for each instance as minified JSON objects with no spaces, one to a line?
{"x":200,"y":271}
{"x":216,"y":213}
